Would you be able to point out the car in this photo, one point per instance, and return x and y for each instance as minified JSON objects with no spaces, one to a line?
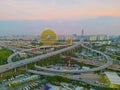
{"x":4,"y":80}
{"x":26,"y":88}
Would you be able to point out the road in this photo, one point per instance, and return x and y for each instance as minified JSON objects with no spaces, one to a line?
{"x":109,"y":62}
{"x":9,"y":66}
{"x":25,"y":50}
{"x":66,"y":76}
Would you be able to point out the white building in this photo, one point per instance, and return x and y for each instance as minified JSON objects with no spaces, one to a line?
{"x":102,"y":37}
{"x":93,"y":37}
{"x":113,"y":79}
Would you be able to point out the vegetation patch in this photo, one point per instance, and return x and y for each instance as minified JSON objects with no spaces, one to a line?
{"x":4,"y":54}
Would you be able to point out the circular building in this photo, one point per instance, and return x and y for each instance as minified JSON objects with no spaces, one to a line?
{"x":48,"y":37}
{"x":69,"y":41}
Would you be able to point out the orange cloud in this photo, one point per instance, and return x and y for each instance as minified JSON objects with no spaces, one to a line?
{"x":35,"y":10}
{"x":61,"y":15}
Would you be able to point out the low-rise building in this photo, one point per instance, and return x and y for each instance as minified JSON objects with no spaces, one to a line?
{"x":112,"y":79}
{"x":22,"y":54}
{"x":112,"y":49}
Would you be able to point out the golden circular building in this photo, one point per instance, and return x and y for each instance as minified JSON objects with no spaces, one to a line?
{"x":69,"y":41}
{"x":48,"y":37}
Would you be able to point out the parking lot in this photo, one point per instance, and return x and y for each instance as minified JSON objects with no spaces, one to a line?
{"x":21,"y":82}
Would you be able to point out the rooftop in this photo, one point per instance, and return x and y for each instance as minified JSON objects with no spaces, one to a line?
{"x":113,"y":77}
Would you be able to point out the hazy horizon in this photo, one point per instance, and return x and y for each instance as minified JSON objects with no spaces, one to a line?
{"x":31,"y":17}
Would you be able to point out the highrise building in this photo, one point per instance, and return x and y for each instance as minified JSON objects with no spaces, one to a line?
{"x":82,"y":33}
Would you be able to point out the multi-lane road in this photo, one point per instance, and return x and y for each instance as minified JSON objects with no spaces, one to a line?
{"x":26,"y":50}
{"x":72,"y":77}
{"x":109,"y":62}
{"x":9,"y":66}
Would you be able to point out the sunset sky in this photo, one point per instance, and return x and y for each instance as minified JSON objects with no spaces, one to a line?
{"x":63,"y":16}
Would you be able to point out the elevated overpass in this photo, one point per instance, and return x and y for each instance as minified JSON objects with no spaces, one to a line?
{"x":109,"y":62}
{"x":9,"y":66}
{"x":66,"y":76}
{"x":9,"y":60}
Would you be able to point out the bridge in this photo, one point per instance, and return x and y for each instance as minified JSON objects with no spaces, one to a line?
{"x":109,"y":62}
{"x":66,"y":76}
{"x":9,"y":66}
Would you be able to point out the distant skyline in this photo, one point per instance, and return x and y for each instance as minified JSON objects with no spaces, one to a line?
{"x":31,"y":17}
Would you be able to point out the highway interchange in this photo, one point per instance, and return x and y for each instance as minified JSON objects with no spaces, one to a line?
{"x":12,"y":65}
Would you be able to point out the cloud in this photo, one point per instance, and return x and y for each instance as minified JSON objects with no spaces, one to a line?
{"x":57,"y":9}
